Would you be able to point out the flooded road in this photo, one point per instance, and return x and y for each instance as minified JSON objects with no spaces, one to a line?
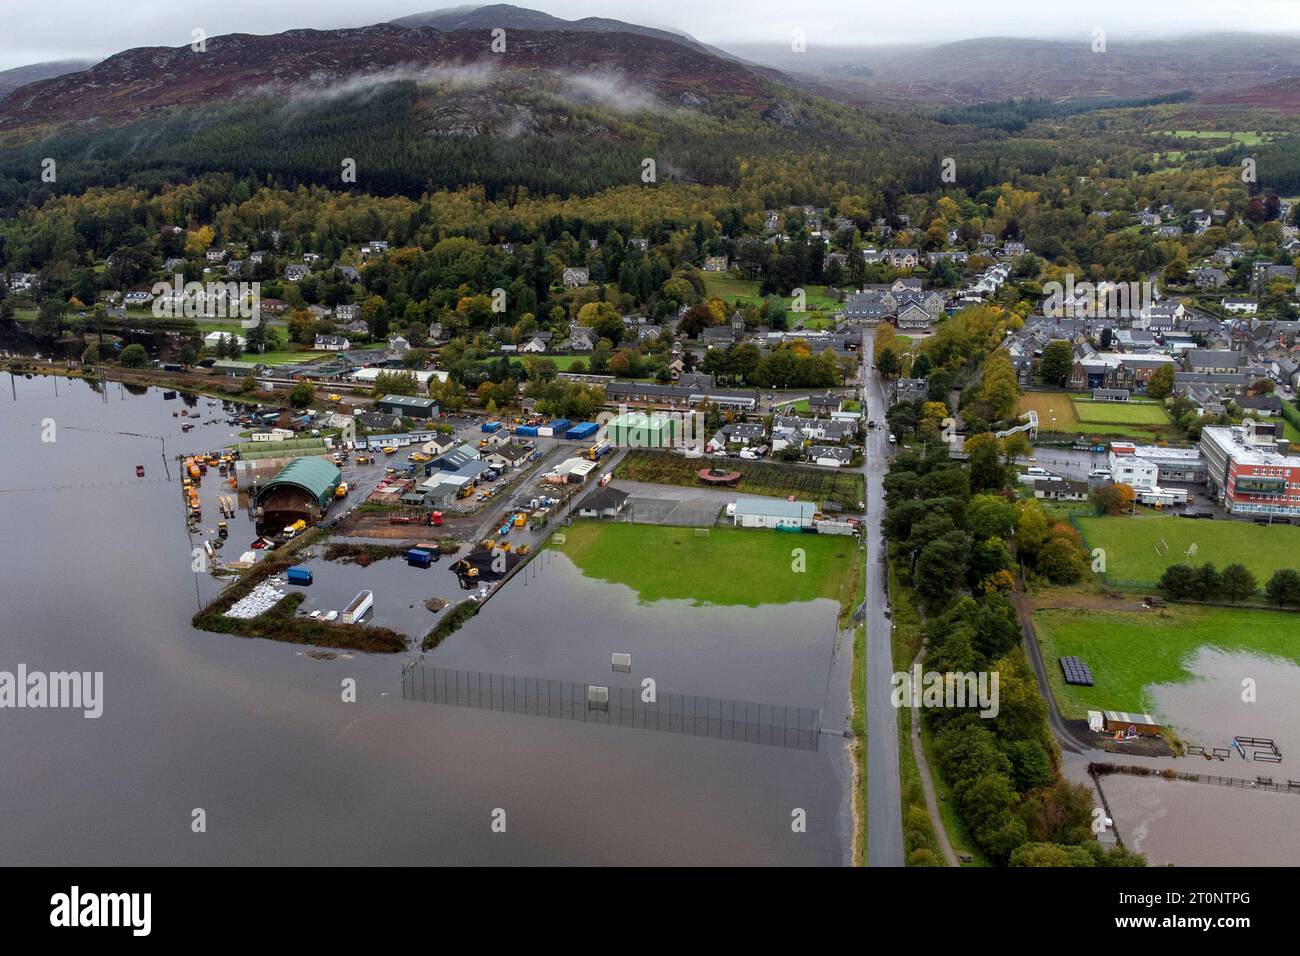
{"x":97,"y":577}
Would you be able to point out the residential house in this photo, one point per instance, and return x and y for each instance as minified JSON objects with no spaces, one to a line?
{"x":835,"y":456}
{"x":575,"y":276}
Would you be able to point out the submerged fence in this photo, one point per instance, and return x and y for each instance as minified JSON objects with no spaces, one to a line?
{"x":741,"y":721}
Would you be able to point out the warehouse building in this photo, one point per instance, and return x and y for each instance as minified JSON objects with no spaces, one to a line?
{"x":302,"y":489}
{"x":408,"y":406}
{"x":638,"y":430}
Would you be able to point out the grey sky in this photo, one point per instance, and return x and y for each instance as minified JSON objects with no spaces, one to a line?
{"x":61,"y":29}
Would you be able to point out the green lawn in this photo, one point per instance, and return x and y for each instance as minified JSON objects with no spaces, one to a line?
{"x":1289,"y":431}
{"x":1119,"y":413}
{"x":730,"y":289}
{"x":565,"y":362}
{"x":1066,"y":409}
{"x":1245,"y":137}
{"x":281,"y":358}
{"x":801,"y":406}
{"x":1130,"y":651}
{"x":730,"y":566}
{"x":1130,"y":544}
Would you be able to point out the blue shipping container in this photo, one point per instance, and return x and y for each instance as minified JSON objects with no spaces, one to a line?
{"x":528,"y":431}
{"x":490,"y":426}
{"x":584,"y":430}
{"x":419,"y":557}
{"x":298,"y":575}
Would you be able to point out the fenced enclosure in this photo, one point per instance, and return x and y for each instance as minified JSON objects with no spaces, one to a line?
{"x":840,"y":488}
{"x":772,"y":725}
{"x":688,"y":513}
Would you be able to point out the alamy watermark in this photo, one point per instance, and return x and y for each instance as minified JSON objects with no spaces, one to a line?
{"x":72,"y":690}
{"x":223,"y":300}
{"x":971,"y":689}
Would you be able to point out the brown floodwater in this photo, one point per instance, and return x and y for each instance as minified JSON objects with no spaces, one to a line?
{"x":1195,"y":823}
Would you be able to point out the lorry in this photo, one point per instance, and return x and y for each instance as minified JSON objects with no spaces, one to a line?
{"x":293,"y":529}
{"x":342,"y":490}
{"x":431,"y":518}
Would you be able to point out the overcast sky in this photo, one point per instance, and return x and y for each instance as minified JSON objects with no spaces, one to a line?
{"x":62,"y":29}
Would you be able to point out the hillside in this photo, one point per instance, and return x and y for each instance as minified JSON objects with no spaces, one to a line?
{"x":11,"y":80}
{"x":510,"y":17}
{"x":998,"y":68}
{"x":420,"y":109}
{"x":623,"y":68}
{"x":1282,"y":95}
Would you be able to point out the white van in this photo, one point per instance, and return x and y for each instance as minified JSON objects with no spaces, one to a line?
{"x":1034,"y":473}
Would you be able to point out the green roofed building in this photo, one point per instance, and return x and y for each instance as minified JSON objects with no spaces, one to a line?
{"x":639,"y":430}
{"x":301,"y":489}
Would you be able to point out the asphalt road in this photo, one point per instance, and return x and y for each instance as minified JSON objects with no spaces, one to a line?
{"x":884,"y":798}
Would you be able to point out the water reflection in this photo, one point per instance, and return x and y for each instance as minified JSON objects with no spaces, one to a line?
{"x":97,"y":576}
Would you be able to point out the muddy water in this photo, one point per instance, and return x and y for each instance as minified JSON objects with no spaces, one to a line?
{"x":96,"y":576}
{"x":1192,"y":824}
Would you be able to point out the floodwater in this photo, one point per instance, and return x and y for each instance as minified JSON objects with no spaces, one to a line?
{"x":97,"y":576}
{"x":1195,"y":823}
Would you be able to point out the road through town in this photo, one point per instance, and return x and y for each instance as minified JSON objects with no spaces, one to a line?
{"x":884,"y":800}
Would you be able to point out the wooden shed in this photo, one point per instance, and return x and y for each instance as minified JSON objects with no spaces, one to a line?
{"x":1120,"y":720}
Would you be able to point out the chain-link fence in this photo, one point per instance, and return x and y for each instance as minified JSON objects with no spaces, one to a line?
{"x":694,"y":513}
{"x":736,"y":720}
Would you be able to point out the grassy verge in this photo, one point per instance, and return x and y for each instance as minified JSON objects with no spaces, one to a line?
{"x":920,"y":846}
{"x":845,"y":489}
{"x":450,"y":623}
{"x":280,"y":623}
{"x":730,"y":566}
{"x":858,"y":724}
{"x":1129,"y":651}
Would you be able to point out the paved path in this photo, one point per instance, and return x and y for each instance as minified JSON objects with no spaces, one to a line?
{"x":927,"y":782}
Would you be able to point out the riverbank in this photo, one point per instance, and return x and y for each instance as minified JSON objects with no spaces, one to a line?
{"x":197,"y":383}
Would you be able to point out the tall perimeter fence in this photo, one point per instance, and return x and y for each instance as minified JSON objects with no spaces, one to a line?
{"x":772,"y":725}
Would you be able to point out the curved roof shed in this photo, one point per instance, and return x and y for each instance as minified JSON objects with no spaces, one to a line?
{"x":316,"y":476}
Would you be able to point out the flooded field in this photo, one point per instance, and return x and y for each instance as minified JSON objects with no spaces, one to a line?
{"x":256,"y":734}
{"x":1201,"y":823}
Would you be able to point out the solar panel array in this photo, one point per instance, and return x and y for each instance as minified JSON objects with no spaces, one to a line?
{"x":1076,"y":671}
